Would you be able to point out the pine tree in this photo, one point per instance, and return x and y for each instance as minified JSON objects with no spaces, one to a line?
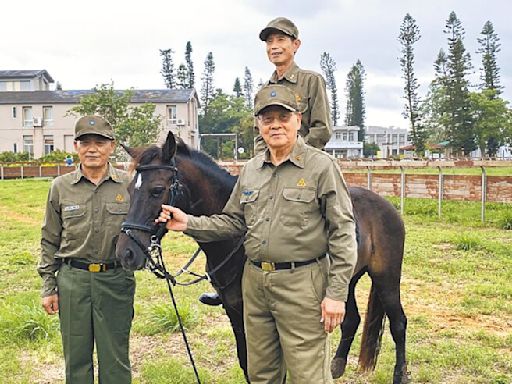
{"x":409,"y":35}
{"x":355,"y":98}
{"x":237,"y":88}
{"x":182,"y":77}
{"x":489,"y":47}
{"x":248,"y":88}
{"x":190,"y":65}
{"x":457,"y":89}
{"x":207,"y":88}
{"x":328,"y":66}
{"x":168,"y":68}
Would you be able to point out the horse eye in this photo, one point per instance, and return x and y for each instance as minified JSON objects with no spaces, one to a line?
{"x":157,"y":191}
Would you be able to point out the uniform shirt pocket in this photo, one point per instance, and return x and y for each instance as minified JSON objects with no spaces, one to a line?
{"x":248,"y":202}
{"x":74,"y":223}
{"x":116,"y":212}
{"x":298,"y":204}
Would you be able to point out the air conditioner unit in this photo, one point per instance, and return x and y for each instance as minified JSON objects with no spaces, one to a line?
{"x":180,"y":122}
{"x":37,"y":122}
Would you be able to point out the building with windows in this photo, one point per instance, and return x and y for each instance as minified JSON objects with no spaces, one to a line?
{"x":389,"y":140}
{"x":35,"y":119}
{"x":344,"y":143}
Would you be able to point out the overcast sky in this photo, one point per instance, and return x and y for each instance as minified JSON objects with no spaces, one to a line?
{"x":82,"y":44}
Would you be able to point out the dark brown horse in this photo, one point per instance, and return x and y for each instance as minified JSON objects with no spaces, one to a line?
{"x":201,"y":187}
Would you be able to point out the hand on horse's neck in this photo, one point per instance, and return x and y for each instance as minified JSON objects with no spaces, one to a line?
{"x":95,"y":175}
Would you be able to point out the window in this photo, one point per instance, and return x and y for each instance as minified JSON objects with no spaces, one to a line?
{"x":13,"y":112}
{"x":48,"y":144}
{"x":15,"y":148}
{"x":28,"y":145}
{"x":3,"y":85}
{"x":28,"y":120}
{"x":351,"y":136}
{"x":25,"y":85}
{"x":47,"y":116}
{"x":171,"y":114}
{"x":338,"y":135}
{"x":345,"y":136}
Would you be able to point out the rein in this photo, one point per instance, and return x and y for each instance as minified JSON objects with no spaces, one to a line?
{"x":153,"y":253}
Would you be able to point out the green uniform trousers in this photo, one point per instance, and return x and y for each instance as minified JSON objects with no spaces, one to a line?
{"x":282,"y":323}
{"x":96,"y":307}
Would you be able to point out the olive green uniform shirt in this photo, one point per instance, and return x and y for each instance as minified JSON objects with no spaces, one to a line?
{"x":296,"y":211}
{"x":82,"y":220}
{"x":309,"y":86}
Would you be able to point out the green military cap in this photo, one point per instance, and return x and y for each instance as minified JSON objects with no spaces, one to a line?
{"x":280,"y":24}
{"x":93,"y":125}
{"x":275,"y":94}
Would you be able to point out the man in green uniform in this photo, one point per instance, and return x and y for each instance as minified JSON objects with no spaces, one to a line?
{"x":81,"y":279}
{"x":293,"y":206}
{"x":281,"y":37}
{"x":282,"y":42}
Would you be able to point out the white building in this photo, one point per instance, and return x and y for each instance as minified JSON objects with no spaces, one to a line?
{"x":389,"y":139}
{"x":35,"y":119}
{"x":344,"y":143}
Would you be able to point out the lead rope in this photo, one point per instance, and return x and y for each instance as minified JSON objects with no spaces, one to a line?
{"x":156,"y":249}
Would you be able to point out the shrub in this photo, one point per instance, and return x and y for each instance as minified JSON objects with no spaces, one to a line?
{"x":466,"y":242}
{"x":12,"y":157}
{"x":163,"y":319}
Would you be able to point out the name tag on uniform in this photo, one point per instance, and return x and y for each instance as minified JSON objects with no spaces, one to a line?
{"x":71,"y":208}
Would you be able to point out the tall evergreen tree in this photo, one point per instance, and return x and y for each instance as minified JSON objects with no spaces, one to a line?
{"x":182,"y":77}
{"x":328,"y":66}
{"x":168,"y":68}
{"x":355,"y":98}
{"x":409,"y":35}
{"x":237,"y":88}
{"x":248,"y":88}
{"x":489,"y":47}
{"x":190,"y":66}
{"x":458,"y":65}
{"x":207,"y":88}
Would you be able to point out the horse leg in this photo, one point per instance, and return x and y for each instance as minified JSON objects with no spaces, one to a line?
{"x":348,"y":330}
{"x":389,"y":294}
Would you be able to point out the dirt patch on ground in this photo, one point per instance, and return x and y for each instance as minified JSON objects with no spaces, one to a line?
{"x":25,"y":219}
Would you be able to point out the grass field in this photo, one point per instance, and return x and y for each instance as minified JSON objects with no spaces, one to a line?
{"x":456,"y":292}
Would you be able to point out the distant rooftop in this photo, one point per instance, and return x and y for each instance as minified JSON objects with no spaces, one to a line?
{"x":73,"y":97}
{"x":26,"y":74}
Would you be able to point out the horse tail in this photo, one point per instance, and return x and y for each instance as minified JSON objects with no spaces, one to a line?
{"x":372,"y":332}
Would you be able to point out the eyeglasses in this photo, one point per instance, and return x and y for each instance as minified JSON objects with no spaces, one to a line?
{"x":268,"y":118}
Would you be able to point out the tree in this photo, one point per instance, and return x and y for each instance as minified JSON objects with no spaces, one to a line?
{"x":237,"y":88}
{"x":134,"y":126}
{"x":328,"y":66}
{"x":458,"y":65}
{"x":355,"y":98}
{"x":248,"y":88}
{"x":491,"y":119}
{"x":168,"y":68}
{"x":190,"y":66}
{"x":207,"y":88}
{"x":182,"y":77}
{"x":409,"y":35}
{"x":489,"y":47}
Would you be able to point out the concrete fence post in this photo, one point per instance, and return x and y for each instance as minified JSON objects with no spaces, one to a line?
{"x":440,"y":191}
{"x":402,"y":189}
{"x":369,"y":181}
{"x":2,"y":172}
{"x":484,"y":191}
{"x":21,"y":169}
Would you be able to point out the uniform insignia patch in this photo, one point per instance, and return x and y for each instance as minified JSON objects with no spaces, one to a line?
{"x":298,"y":98}
{"x":71,"y":208}
{"x":119,"y":198}
{"x":301,"y":183}
{"x":247,"y":193}
{"x":273,"y":94}
{"x":92,"y":122}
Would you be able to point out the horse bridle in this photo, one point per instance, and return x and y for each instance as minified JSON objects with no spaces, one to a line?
{"x":153,"y":253}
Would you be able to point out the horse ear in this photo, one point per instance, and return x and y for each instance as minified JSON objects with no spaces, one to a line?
{"x":131,"y":151}
{"x":169,"y":148}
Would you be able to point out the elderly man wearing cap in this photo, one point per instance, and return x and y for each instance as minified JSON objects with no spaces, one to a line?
{"x":282,"y":42}
{"x":82,"y":281}
{"x":293,"y":205}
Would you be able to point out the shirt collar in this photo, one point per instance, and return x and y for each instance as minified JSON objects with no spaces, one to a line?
{"x":112,"y":174}
{"x":297,"y":155}
{"x":290,"y":75}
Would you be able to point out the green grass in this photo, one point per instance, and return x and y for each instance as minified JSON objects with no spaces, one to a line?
{"x":456,"y":291}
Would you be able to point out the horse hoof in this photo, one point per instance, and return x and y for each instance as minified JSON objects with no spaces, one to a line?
{"x":401,"y":376}
{"x":338,"y":365}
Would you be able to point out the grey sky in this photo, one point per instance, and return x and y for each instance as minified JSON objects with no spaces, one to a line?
{"x":100,"y":41}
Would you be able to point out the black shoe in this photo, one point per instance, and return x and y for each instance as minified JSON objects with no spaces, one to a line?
{"x":212,"y":299}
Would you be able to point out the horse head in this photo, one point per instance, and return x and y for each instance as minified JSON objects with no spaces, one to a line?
{"x":155,"y":183}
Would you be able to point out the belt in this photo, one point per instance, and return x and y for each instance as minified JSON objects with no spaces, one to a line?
{"x":270,"y":266}
{"x":92,"y":267}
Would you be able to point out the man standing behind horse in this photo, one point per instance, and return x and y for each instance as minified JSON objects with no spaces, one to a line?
{"x":81,"y":279}
{"x":293,"y":206}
